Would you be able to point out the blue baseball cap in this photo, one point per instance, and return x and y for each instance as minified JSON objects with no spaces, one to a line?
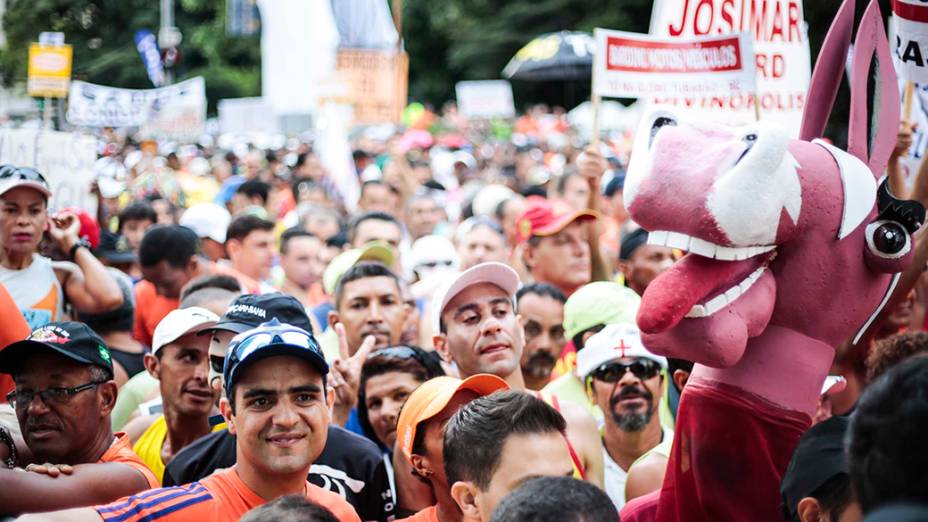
{"x":270,"y":339}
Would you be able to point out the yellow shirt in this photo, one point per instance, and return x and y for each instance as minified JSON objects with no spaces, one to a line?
{"x":149,"y":445}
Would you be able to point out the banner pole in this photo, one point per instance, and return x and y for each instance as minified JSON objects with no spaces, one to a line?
{"x":47,"y":113}
{"x":594,"y":140}
{"x":756,"y":106}
{"x":907,"y":103}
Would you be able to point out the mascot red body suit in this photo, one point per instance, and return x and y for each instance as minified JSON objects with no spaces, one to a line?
{"x":793,"y":247}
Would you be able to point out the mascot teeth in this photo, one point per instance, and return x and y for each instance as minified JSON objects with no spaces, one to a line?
{"x":704,"y":248}
{"x":722,"y":300}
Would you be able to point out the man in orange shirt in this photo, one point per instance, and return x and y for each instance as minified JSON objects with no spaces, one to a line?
{"x":170,"y":258}
{"x":277,"y":405}
{"x":419,"y":435}
{"x":63,"y":398}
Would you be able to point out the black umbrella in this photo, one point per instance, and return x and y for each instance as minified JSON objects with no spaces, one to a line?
{"x":565,"y":55}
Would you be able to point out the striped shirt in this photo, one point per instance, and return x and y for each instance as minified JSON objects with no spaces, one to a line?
{"x":220,"y":497}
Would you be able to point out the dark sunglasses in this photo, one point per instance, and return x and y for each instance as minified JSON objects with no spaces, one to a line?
{"x":614,"y":371}
{"x":399,"y":352}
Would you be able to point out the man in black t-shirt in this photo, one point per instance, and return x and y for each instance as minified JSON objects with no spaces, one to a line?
{"x":349,"y":465}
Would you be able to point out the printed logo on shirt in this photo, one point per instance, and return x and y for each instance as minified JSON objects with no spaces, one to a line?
{"x":37,"y":317}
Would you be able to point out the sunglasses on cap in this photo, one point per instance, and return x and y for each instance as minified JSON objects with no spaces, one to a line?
{"x":259,"y":340}
{"x":10,"y":172}
{"x":643,"y":369}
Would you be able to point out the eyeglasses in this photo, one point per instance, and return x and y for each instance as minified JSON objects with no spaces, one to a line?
{"x":614,"y":371}
{"x":22,"y":173}
{"x":56,"y":395}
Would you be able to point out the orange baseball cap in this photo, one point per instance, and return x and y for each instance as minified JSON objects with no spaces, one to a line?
{"x":432,"y":396}
{"x":544,"y":217}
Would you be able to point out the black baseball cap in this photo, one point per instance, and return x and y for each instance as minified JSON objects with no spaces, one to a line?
{"x":631,"y":241}
{"x":74,"y":340}
{"x":818,"y":457}
{"x":115,"y":249}
{"x":250,"y":311}
{"x":268,"y":340}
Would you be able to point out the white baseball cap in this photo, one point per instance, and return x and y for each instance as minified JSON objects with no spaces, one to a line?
{"x":208,"y":220}
{"x":615,"y":341}
{"x":495,"y":273}
{"x":179,"y":323}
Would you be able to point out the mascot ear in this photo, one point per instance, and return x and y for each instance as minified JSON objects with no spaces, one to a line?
{"x":872,"y":145}
{"x":827,"y":74}
{"x":872,"y":61}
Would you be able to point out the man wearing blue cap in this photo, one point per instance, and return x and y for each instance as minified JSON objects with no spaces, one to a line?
{"x":277,"y":405}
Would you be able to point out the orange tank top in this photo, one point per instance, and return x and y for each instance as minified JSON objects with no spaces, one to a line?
{"x":121,"y":451}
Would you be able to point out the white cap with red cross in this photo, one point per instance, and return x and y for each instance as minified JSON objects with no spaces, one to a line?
{"x":615,"y":341}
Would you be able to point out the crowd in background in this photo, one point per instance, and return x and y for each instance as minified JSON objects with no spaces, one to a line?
{"x":454,"y":343}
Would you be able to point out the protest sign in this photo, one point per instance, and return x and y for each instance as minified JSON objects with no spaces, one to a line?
{"x":485,"y":99}
{"x":246,"y":115}
{"x":631,"y":65}
{"x":49,"y":71}
{"x":909,"y":40}
{"x":781,"y":53}
{"x":65,"y":159}
{"x":176,"y":111}
{"x":378,"y":80}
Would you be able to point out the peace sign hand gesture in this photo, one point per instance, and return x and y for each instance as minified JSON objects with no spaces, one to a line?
{"x":345,"y":374}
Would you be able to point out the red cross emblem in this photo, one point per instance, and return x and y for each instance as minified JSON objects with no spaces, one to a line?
{"x":622,"y":347}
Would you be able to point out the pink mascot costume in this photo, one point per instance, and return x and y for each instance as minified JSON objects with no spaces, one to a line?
{"x":793,"y":247}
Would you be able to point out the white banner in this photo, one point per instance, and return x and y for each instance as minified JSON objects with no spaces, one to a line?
{"x":173,"y":111}
{"x":65,"y":160}
{"x":781,"y":50}
{"x":910,"y":45}
{"x":485,"y":99}
{"x":632,"y":65}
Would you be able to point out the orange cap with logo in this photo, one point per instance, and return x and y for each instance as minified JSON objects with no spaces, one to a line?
{"x":432,"y":396}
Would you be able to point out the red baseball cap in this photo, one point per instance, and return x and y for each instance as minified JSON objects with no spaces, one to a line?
{"x":545,"y":217}
{"x":90,"y":230}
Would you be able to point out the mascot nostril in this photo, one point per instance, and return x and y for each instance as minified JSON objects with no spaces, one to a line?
{"x":659,"y":122}
{"x":792,"y":249}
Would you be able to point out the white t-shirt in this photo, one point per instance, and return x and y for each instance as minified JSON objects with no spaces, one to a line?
{"x":615,"y":477}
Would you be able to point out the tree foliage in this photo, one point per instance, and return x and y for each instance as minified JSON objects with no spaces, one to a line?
{"x":447,"y":40}
{"x":102,"y":34}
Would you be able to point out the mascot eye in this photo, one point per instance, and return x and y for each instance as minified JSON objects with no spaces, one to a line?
{"x":888,"y":239}
{"x":749,"y":141}
{"x":656,"y":126}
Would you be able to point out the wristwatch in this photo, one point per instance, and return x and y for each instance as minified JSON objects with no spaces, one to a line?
{"x":6,"y":438}
{"x":82,"y":242}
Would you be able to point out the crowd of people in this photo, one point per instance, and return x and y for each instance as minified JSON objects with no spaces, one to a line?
{"x":228,"y":336}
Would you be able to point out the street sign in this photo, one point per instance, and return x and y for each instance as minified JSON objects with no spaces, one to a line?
{"x":49,"y":70}
{"x":51,"y":38}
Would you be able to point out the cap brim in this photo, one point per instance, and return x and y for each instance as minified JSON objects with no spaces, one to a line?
{"x":228,"y":326}
{"x":12,"y":355}
{"x":377,"y":251}
{"x":118,"y":257}
{"x":6,"y":187}
{"x":498,"y":274}
{"x":562,"y":222}
{"x":482,"y":384}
